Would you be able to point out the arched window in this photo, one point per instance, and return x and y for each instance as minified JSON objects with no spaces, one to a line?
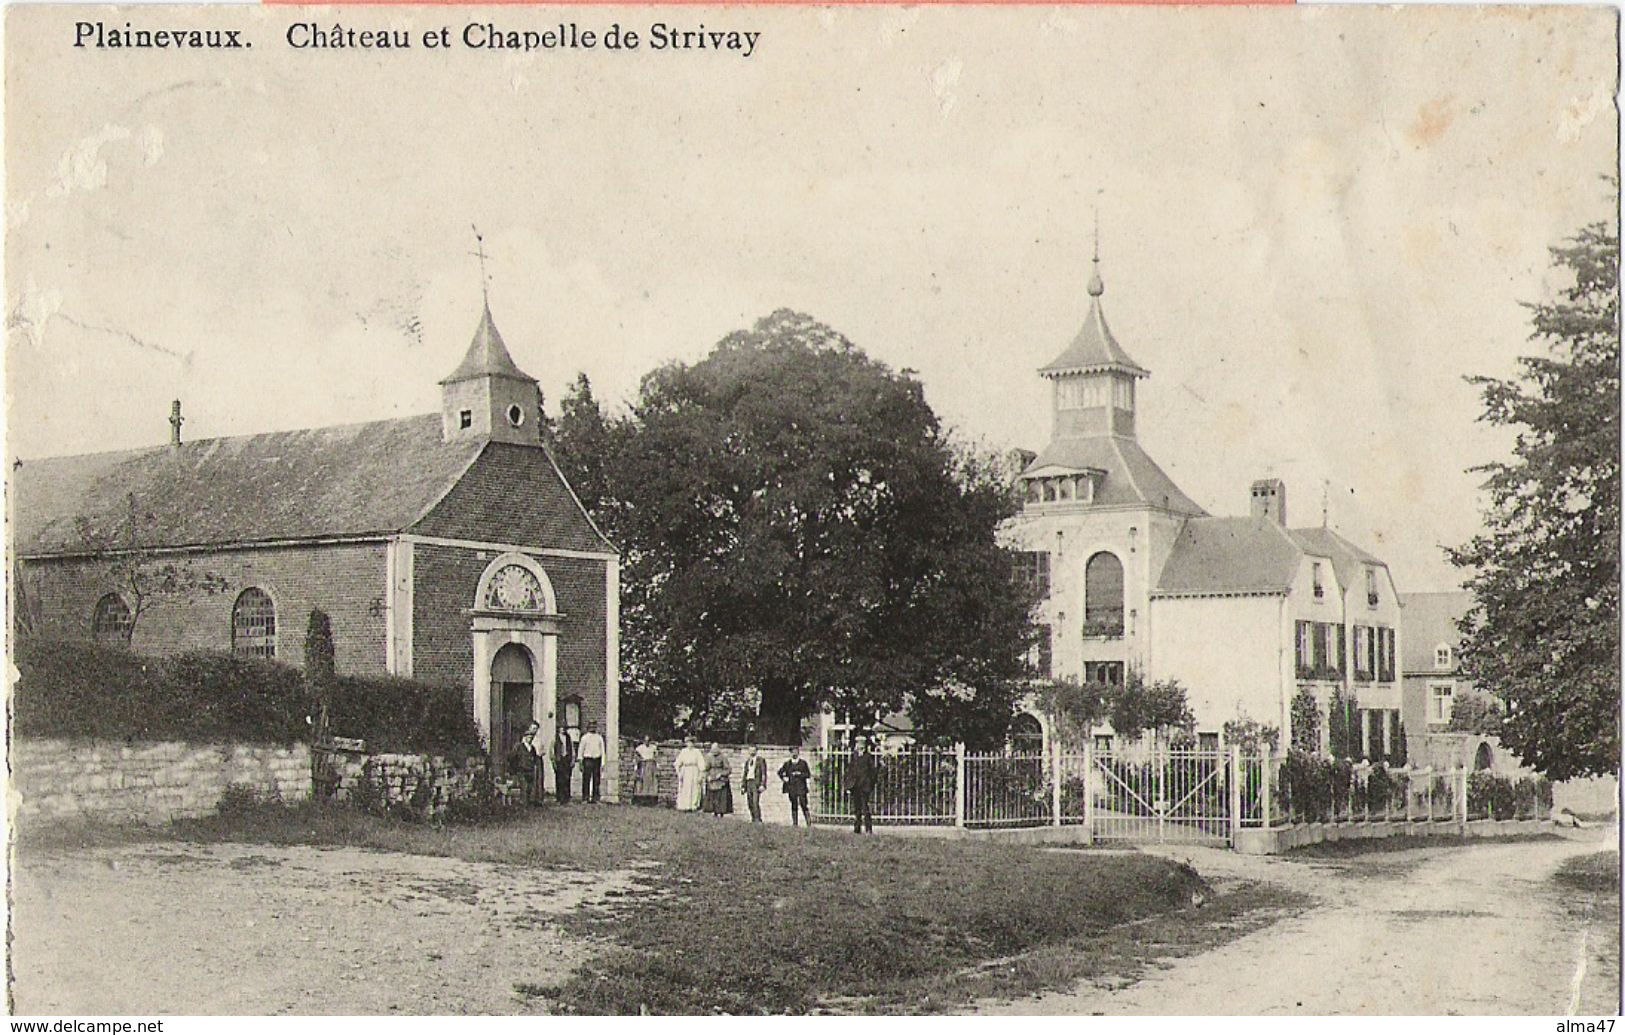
{"x":112,"y":621}
{"x":253,"y":624}
{"x":1103,"y":596}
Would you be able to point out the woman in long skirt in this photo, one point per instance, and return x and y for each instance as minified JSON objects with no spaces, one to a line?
{"x":646,"y":790}
{"x":690,"y":776}
{"x":719,"y":796}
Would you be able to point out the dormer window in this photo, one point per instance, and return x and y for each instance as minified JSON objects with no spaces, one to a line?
{"x":465,"y":419}
{"x":1069,"y":488}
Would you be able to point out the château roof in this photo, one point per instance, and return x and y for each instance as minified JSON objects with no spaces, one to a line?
{"x":1219,"y":556}
{"x":487,"y":355}
{"x":1347,"y":559}
{"x":355,"y":480}
{"x":1130,"y":477}
{"x":1429,"y":620}
{"x":1094,"y":347}
{"x":1252,"y":555}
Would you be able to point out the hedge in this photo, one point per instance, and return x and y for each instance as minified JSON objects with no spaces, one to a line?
{"x":83,"y":690}
{"x":404,"y":716}
{"x":75,"y":689}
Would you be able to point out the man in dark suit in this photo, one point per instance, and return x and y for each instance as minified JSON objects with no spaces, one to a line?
{"x":860,"y":783}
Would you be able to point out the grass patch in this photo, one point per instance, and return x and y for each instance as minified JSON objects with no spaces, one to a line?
{"x":1597,"y":873}
{"x":742,"y":918}
{"x":1405,"y":843}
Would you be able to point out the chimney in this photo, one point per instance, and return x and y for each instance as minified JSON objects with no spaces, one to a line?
{"x":175,"y":422}
{"x":1269,"y":500}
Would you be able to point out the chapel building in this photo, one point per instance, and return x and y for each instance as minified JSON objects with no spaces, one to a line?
{"x":445,"y":547}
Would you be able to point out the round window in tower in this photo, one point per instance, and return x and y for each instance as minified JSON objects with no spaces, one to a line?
{"x":516,"y":415}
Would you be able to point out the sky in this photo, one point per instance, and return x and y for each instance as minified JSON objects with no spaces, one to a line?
{"x":1312,"y":223}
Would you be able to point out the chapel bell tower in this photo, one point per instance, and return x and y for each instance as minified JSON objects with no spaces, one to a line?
{"x":488,"y":397}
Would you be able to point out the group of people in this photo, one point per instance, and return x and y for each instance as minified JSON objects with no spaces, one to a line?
{"x":527,"y":758}
{"x":705,"y":781}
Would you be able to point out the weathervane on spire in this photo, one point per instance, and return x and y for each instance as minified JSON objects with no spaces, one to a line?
{"x":1097,"y":287}
{"x":485,"y":280}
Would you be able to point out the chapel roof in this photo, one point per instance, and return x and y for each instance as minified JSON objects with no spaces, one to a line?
{"x":376,"y":478}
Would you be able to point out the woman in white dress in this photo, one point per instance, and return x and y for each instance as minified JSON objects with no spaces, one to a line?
{"x":690,"y":776}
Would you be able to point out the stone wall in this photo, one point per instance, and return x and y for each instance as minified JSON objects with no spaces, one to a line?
{"x":775,"y":805}
{"x":146,"y":782}
{"x":423,"y":782}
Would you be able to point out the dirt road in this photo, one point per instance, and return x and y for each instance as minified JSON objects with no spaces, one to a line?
{"x":1474,"y":929}
{"x":177,"y":928}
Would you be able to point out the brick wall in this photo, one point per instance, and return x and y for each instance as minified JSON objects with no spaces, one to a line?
{"x":345,"y":580}
{"x":444,"y":581}
{"x":147,"y":783}
{"x":775,"y":805}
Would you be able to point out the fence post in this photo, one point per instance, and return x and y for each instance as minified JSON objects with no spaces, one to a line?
{"x":1265,"y":804}
{"x":1235,"y":794}
{"x":959,"y":785}
{"x":1055,"y":780}
{"x":1461,"y":800}
{"x":1410,"y":792}
{"x":1089,"y":792}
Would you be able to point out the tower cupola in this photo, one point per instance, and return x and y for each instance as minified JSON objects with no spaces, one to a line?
{"x":1094,"y":378}
{"x":488,"y":396}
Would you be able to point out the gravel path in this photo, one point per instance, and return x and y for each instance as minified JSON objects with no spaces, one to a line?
{"x":175,"y":928}
{"x":1476,"y":929}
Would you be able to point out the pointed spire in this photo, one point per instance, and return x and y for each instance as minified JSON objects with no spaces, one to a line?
{"x":1095,"y":347}
{"x":1097,"y":287}
{"x":487,"y":355}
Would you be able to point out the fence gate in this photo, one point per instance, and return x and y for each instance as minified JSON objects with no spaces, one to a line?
{"x":1165,"y":795}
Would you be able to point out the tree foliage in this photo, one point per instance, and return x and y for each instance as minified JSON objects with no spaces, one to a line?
{"x":798,"y":530}
{"x":1543,"y":632}
{"x":1133,"y":708}
{"x":1475,"y":713}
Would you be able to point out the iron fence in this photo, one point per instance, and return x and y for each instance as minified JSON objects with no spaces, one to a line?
{"x":1146,"y":793}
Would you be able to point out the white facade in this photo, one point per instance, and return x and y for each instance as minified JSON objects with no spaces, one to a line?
{"x":1244,"y":612}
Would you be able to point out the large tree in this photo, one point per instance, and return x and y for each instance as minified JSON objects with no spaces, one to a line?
{"x":800,"y":530}
{"x":1543,"y":631}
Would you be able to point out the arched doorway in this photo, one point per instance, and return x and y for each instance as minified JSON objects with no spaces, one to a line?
{"x":1026,"y":735}
{"x":513,"y":698}
{"x":1485,"y":758}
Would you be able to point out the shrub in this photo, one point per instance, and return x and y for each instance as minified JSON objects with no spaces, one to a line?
{"x":238,"y":799}
{"x":1379,"y":789}
{"x":234,"y":697}
{"x":396,"y":715}
{"x":78,"y":689}
{"x":1306,"y":783}
{"x":91,"y":690}
{"x":1491,"y":795}
{"x":1305,"y":721}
